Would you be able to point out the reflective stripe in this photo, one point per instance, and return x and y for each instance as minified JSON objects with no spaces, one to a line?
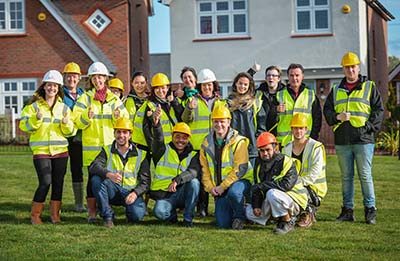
{"x":102,"y":116}
{"x":84,"y":121}
{"x":48,"y":143}
{"x":161,"y":177}
{"x":91,"y":148}
{"x":80,"y":105}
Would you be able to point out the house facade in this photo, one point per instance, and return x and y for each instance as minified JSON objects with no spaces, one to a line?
{"x":229,"y":36}
{"x":36,"y":36}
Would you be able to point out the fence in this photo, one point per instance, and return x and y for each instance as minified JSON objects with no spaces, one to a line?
{"x":12,"y":139}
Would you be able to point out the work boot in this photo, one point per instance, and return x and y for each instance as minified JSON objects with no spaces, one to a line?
{"x":202,"y":204}
{"x":284,"y":227}
{"x":347,"y":214}
{"x":55,"y":207}
{"x":91,"y":203}
{"x":187,"y":223}
{"x":370,"y":215}
{"x":237,"y":224}
{"x":36,"y":213}
{"x":109,"y":224}
{"x":306,"y":220}
{"x":77,"y":187}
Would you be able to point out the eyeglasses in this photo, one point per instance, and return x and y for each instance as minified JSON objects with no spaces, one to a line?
{"x":272,"y":75}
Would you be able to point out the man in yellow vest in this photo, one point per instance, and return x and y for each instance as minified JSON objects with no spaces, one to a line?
{"x":311,"y":154}
{"x":122,"y":172}
{"x":174,"y":183}
{"x":355,"y":109}
{"x":279,"y":193}
{"x":227,"y":172}
{"x":295,"y":98}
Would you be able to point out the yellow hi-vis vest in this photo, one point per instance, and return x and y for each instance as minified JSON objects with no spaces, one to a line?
{"x":47,"y":135}
{"x":166,"y":124}
{"x":130,"y":106}
{"x":202,"y":123}
{"x":168,"y":168}
{"x":303,"y":104}
{"x":98,"y":131}
{"x":357,"y":103}
{"x":129,"y":171}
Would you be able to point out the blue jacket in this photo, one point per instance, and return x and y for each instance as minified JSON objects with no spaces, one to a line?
{"x":68,"y":100}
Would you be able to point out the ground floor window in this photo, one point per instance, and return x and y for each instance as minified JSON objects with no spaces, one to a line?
{"x":15,"y":92}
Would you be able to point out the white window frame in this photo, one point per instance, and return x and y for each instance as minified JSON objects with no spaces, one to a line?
{"x":19,"y":93}
{"x":214,"y":14}
{"x":312,"y":8}
{"x":7,"y":18}
{"x":93,"y":17}
{"x":397,"y":93}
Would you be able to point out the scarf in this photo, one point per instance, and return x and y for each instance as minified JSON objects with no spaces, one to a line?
{"x":241,"y":102}
{"x":190,"y":92}
{"x":101,"y":95}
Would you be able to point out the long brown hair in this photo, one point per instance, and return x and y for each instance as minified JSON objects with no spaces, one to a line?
{"x":40,"y":93}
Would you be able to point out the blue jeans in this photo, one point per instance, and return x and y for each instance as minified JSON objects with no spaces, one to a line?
{"x":362,"y":155}
{"x":184,"y":197}
{"x":230,"y":205}
{"x":114,"y":194}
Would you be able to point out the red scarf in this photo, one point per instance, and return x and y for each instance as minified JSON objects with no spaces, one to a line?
{"x":100,"y":95}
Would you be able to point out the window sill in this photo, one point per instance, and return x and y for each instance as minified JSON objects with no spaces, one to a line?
{"x":311,"y":35}
{"x":14,"y":35}
{"x":222,"y":39}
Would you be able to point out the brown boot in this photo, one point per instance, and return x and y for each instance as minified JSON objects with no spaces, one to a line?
{"x":36,"y":213}
{"x":91,"y":206}
{"x":55,"y":207}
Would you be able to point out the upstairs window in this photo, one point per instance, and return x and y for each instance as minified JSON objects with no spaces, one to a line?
{"x":227,"y":18}
{"x":98,"y":21}
{"x":313,"y":16}
{"x":12,"y":16}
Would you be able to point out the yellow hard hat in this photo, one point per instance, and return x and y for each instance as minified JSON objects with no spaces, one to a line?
{"x":350,"y":59}
{"x":72,"y":68}
{"x":221,"y":112}
{"x":116,"y":83}
{"x":159,"y":79}
{"x":123,"y":124}
{"x":182,"y":128}
{"x":299,"y":120}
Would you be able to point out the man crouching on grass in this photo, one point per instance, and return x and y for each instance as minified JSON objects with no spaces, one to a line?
{"x":121,"y":176}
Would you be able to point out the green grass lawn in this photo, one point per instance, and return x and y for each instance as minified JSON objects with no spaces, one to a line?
{"x":153,"y":240}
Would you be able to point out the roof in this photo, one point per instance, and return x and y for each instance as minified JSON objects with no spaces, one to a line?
{"x":394,"y":72}
{"x":380,"y":9}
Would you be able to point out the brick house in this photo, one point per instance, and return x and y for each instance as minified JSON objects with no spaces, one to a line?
{"x":36,"y":36}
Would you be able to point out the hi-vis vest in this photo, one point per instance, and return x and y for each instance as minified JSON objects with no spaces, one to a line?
{"x":47,"y":135}
{"x":202,"y":123}
{"x":166,"y":124}
{"x":168,"y":167}
{"x":298,"y":193}
{"x":129,"y":171}
{"x":357,"y":103}
{"x":303,"y":104}
{"x":319,"y":186}
{"x":227,"y":158}
{"x":130,"y":106}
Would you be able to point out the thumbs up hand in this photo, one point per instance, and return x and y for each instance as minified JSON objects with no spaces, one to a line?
{"x":39,"y":115}
{"x":193,"y":103}
{"x":256,"y":67}
{"x":65,"y":119}
{"x":116,"y":113}
{"x":90,"y":113}
{"x":157,"y":115}
{"x":170,"y":97}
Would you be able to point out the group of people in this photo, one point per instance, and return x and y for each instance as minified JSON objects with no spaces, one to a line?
{"x":257,"y":152}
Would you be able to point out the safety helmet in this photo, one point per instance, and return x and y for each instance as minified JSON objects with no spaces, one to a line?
{"x":116,"y":83}
{"x":206,"y":75}
{"x":350,"y":59}
{"x":97,"y":68}
{"x":72,"y":68}
{"x":266,"y":138}
{"x":123,"y":124}
{"x":299,"y":120}
{"x":221,"y":112}
{"x":53,"y":76}
{"x":182,"y":128}
{"x":159,"y":79}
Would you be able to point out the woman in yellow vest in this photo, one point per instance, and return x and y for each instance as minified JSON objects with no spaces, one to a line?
{"x":95,"y":114}
{"x":137,"y":95}
{"x":48,"y":121}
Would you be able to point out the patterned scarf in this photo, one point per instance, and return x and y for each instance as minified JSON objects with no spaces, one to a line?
{"x":101,"y":95}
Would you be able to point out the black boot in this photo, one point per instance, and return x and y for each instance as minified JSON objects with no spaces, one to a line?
{"x":202,"y":203}
{"x":346,"y":215}
{"x":370,"y":215}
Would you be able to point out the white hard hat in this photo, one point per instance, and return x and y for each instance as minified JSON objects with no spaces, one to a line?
{"x":206,"y":75}
{"x":97,"y":68}
{"x":53,"y":76}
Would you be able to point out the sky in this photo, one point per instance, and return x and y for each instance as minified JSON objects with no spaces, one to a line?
{"x":159,"y":35}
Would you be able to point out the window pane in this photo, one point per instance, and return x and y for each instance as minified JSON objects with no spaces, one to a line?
{"x":303,"y":2}
{"x":321,"y":2}
{"x":205,"y":7}
{"x":7,"y":100}
{"x":303,"y":20}
{"x":222,"y":6}
{"x":239,"y":5}
{"x":222,"y":24}
{"x":239,"y":23}
{"x":321,"y":19}
{"x":28,"y":86}
{"x":205,"y":25}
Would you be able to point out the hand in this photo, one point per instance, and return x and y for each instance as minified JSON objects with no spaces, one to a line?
{"x":39,"y":115}
{"x":90,"y":113}
{"x":219,"y":190}
{"x":343,"y":116}
{"x":193,"y":103}
{"x":256,"y":67}
{"x":115,"y":177}
{"x":170,"y":97}
{"x":281,"y":107}
{"x":214,"y":192}
{"x":65,"y":119}
{"x":257,"y":212}
{"x":179,"y":92}
{"x":116,"y":113}
{"x":131,"y":198}
{"x":172,"y":186}
{"x":157,"y":115}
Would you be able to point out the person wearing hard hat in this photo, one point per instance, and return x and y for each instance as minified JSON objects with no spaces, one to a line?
{"x":174,"y":183}
{"x":297,"y":97}
{"x":48,"y":121}
{"x":355,"y":109}
{"x":278,"y":194}
{"x":95,"y":113}
{"x":227,"y":172}
{"x":311,"y":154}
{"x":117,"y":87}
{"x":138,"y":93}
{"x":123,"y":173}
{"x":71,"y":77}
{"x":197,"y":111}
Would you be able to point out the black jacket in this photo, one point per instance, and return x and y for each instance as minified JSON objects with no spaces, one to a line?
{"x":346,"y":134}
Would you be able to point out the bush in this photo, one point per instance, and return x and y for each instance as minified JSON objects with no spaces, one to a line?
{"x":389,"y":141}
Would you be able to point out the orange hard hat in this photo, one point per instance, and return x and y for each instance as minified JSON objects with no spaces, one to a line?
{"x":266,"y":138}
